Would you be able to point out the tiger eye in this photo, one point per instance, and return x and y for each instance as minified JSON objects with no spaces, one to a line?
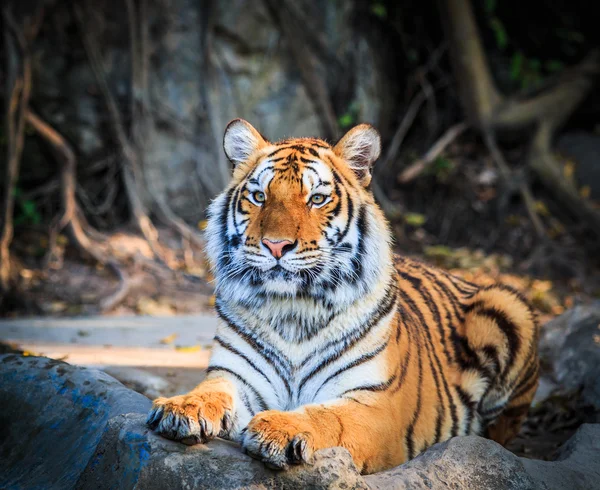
{"x":259,"y":196}
{"x":317,"y":199}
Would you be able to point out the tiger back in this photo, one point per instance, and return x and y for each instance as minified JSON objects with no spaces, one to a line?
{"x":325,"y":338}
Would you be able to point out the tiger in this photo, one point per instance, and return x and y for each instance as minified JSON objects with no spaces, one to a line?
{"x":325,"y":337}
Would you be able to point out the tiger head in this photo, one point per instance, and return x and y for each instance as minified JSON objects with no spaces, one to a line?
{"x":298,"y":217}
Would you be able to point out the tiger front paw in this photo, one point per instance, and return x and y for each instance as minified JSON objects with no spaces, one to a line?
{"x":193,"y":418}
{"x":279,"y":439}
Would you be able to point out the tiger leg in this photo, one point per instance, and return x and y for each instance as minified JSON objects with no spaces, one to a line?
{"x":198,"y":416}
{"x":502,"y":335}
{"x":508,"y":423}
{"x":280,"y":439}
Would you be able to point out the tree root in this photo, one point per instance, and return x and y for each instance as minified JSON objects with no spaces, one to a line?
{"x":69,"y":220}
{"x":19,"y":89}
{"x":414,"y":170}
{"x":489,"y":112}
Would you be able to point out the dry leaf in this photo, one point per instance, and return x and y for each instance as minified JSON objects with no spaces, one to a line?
{"x":147,"y":306}
{"x":541,"y":208}
{"x":585,"y":191}
{"x":569,"y":169}
{"x":188,"y":348}
{"x":169,"y":339}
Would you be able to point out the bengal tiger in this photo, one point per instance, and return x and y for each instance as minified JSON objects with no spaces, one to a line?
{"x":325,"y":338}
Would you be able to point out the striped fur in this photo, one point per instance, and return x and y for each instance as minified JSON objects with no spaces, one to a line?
{"x":338,"y":342}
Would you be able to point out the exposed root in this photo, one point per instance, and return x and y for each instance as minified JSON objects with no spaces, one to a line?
{"x":19,"y":88}
{"x":523,"y":188}
{"x":418,"y":167}
{"x":69,"y":219}
{"x":131,"y":168}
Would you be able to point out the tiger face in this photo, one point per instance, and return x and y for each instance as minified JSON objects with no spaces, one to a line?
{"x":297,"y":217}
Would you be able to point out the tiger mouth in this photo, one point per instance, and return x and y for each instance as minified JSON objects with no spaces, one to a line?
{"x":278,"y":272}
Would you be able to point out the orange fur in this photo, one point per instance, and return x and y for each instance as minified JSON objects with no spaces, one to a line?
{"x":459,"y":358}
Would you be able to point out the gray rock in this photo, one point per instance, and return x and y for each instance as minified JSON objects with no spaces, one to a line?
{"x":463,"y":462}
{"x":577,"y":466}
{"x":70,"y":427}
{"x":143,"y":382}
{"x":128,"y":445}
{"x":476,"y":463}
{"x":52,"y":416}
{"x":583,"y":148}
{"x":570,"y":347}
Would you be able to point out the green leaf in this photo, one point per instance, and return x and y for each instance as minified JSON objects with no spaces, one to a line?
{"x":345,"y":120}
{"x":534,"y":65}
{"x":490,"y":6}
{"x":442,"y":163}
{"x":554,"y":66}
{"x":516,"y":65}
{"x":499,"y":32}
{"x":379,"y":10}
{"x":28,"y":208}
{"x":414,"y":219}
{"x":438,"y":251}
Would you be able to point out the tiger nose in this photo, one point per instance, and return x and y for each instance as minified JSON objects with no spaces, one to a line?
{"x":279,"y":248}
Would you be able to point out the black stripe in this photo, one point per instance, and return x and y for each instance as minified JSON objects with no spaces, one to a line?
{"x":352,"y":338}
{"x":410,"y":443}
{"x":352,"y":399}
{"x":408,"y":322}
{"x":247,"y":403}
{"x":378,"y":387}
{"x":508,"y":328}
{"x":226,"y":345}
{"x":421,"y":318}
{"x":417,"y":284}
{"x":271,"y":355}
{"x":257,"y":395}
{"x":469,"y":406}
{"x":357,"y":260}
{"x":356,"y":362}
{"x":349,"y":218}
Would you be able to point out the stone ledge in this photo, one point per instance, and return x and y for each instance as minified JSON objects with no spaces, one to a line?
{"x":70,"y":427}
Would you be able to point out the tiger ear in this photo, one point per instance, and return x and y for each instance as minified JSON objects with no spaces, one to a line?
{"x":241,"y":140}
{"x":360,"y":147}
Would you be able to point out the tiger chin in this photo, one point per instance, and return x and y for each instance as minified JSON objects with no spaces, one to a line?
{"x":325,"y":337}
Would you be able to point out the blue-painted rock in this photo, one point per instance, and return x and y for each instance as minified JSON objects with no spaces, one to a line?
{"x":52,"y":417}
{"x":70,"y":427}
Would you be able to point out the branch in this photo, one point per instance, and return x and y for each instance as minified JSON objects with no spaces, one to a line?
{"x":69,"y":219}
{"x":439,"y":146}
{"x":547,"y":111}
{"x":131,"y":169}
{"x":467,"y":55}
{"x":19,"y":90}
{"x":554,"y":104}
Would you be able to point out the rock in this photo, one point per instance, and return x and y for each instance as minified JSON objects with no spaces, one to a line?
{"x":583,"y":148}
{"x":463,"y":462}
{"x":475,"y":463}
{"x":570,"y":346}
{"x":139,"y":380}
{"x":63,"y":426}
{"x":158,"y":463}
{"x":52,"y":416}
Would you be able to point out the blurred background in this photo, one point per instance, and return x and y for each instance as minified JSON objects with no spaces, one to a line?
{"x":114,"y":112}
